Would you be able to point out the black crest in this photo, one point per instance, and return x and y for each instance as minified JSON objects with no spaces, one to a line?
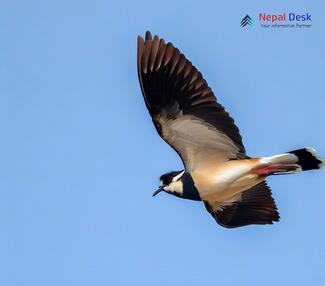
{"x":167,"y":178}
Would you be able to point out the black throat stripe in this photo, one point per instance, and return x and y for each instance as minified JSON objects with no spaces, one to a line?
{"x":189,"y":190}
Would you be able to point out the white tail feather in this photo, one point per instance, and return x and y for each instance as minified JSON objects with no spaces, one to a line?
{"x":298,"y":160}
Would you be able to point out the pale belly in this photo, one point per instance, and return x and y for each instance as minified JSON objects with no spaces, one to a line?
{"x":225,"y":181}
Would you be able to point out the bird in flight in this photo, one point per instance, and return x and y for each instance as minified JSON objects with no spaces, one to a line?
{"x":217,"y":169}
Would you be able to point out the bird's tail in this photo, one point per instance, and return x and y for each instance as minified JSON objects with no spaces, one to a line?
{"x":290,"y":162}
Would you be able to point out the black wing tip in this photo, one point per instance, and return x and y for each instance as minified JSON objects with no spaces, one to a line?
{"x":148,"y":47}
{"x":147,"y":36}
{"x":270,"y":221}
{"x":257,"y":207}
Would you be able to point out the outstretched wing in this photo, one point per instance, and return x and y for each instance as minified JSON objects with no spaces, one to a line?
{"x":254,"y":206}
{"x":183,"y":107}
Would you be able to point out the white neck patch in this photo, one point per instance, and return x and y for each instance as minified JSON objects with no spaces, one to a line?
{"x":175,"y":187}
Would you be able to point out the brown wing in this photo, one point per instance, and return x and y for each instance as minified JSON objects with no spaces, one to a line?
{"x":254,"y":206}
{"x":183,"y":107}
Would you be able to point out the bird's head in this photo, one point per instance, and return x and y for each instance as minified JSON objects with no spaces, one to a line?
{"x":171,"y":183}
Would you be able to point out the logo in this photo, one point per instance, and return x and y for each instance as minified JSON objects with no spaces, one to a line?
{"x":280,"y":20}
{"x":247,"y":21}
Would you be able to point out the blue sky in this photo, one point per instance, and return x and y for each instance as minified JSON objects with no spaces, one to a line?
{"x":79,"y":157}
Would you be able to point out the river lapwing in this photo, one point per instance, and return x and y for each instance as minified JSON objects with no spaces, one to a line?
{"x":217,"y":169}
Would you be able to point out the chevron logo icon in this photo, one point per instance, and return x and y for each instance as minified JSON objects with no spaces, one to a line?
{"x":247,"y":20}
